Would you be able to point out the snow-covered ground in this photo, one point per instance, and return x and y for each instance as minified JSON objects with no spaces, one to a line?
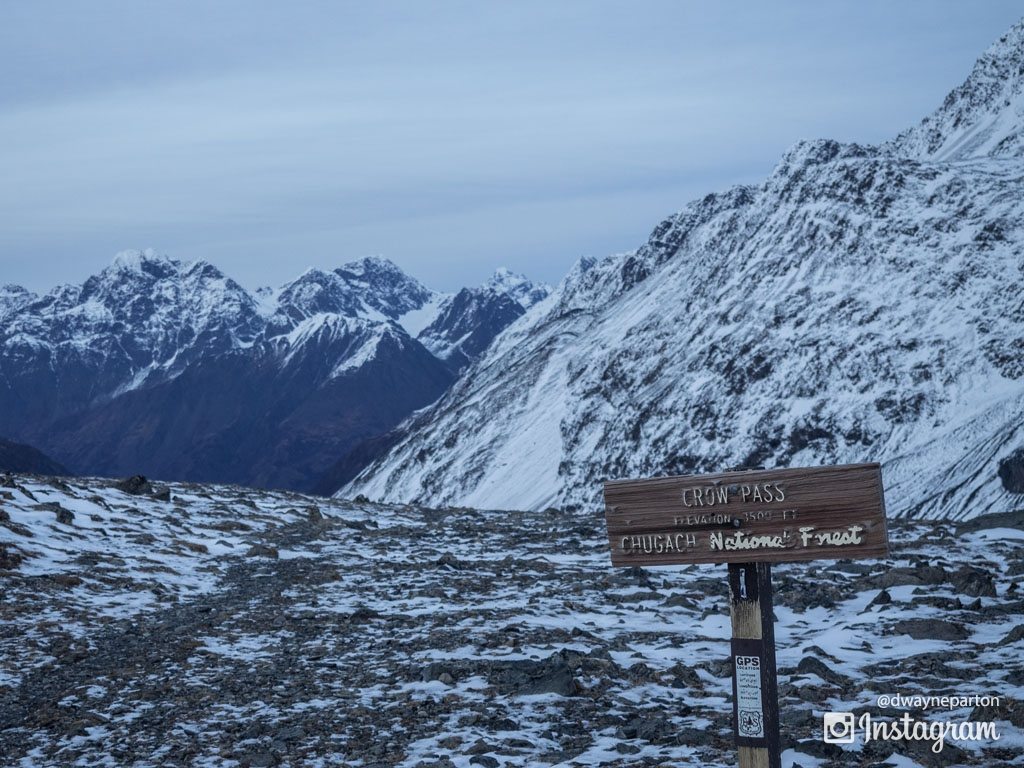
{"x":231,"y":627}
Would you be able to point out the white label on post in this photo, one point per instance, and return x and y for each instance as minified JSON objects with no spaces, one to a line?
{"x":749,"y":707}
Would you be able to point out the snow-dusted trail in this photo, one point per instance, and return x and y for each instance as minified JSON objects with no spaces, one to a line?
{"x":229,"y":627}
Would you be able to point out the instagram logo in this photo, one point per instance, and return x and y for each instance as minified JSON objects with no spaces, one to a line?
{"x":838,"y":727}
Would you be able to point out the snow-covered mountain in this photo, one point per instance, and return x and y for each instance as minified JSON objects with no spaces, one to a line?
{"x":141,"y":318}
{"x":465,"y":323}
{"x":863,"y":303}
{"x":175,"y":370}
{"x":518,"y":287}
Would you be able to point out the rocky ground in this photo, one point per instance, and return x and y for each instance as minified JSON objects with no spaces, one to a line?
{"x":220,"y":626}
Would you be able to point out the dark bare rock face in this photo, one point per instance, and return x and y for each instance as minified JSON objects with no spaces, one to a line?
{"x":17,"y":457}
{"x":136,"y":485}
{"x":1011,"y":472}
{"x":243,"y":418}
{"x":353,"y":462}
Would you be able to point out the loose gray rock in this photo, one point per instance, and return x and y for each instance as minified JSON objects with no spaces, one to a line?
{"x":973,"y":582}
{"x":258,"y":760}
{"x":814,"y":666}
{"x":652,"y":728}
{"x":262,"y":550}
{"x":931,"y":629}
{"x":9,"y":558}
{"x":529,"y":677}
{"x":882,"y":598}
{"x":1015,"y":635}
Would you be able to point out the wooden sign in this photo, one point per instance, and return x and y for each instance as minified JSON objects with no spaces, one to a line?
{"x":773,"y":515}
{"x":749,"y":520}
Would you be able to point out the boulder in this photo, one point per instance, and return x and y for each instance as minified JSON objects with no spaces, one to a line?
{"x":529,"y":677}
{"x":809,"y":665}
{"x":931,"y":629}
{"x":262,"y":550}
{"x":136,"y":485}
{"x":973,"y":582}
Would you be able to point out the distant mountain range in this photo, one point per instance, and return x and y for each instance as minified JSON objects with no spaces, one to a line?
{"x":863,"y":303}
{"x":173,"y":370}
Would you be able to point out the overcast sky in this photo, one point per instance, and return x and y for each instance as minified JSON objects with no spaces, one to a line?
{"x":450,"y":137}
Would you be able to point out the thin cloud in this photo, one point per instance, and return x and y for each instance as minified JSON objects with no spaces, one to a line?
{"x":451,"y":141}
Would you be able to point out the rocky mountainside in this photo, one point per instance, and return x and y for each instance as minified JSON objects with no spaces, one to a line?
{"x":983,"y":117}
{"x":457,"y":329}
{"x":467,"y":323}
{"x":17,"y":457}
{"x":175,"y":370}
{"x":231,"y":628}
{"x":862,"y":304}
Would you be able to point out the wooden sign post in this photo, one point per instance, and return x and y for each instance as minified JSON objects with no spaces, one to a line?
{"x":749,"y":520}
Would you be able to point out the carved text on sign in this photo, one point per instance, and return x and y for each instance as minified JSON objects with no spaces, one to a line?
{"x":788,"y":514}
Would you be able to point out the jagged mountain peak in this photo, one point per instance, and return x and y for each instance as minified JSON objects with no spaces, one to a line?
{"x":385,"y":287}
{"x":313,"y":292}
{"x":164,"y":366}
{"x":371,"y":265}
{"x":166,"y":283}
{"x":11,"y":289}
{"x":149,"y":262}
{"x":136,"y":260}
{"x":806,"y":153}
{"x":468,"y":322}
{"x":517,"y":286}
{"x":983,"y":116}
{"x":13,"y":298}
{"x":348,"y":341}
{"x":143,"y":315}
{"x":149,"y":290}
{"x":504,"y":273}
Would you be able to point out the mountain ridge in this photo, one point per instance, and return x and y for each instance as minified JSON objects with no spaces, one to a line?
{"x":110,"y":376}
{"x":865,"y":311}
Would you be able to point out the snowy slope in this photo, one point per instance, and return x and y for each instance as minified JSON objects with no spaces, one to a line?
{"x":983,"y":117}
{"x":863,"y":303}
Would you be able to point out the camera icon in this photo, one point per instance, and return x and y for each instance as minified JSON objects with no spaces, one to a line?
{"x":838,"y":728}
